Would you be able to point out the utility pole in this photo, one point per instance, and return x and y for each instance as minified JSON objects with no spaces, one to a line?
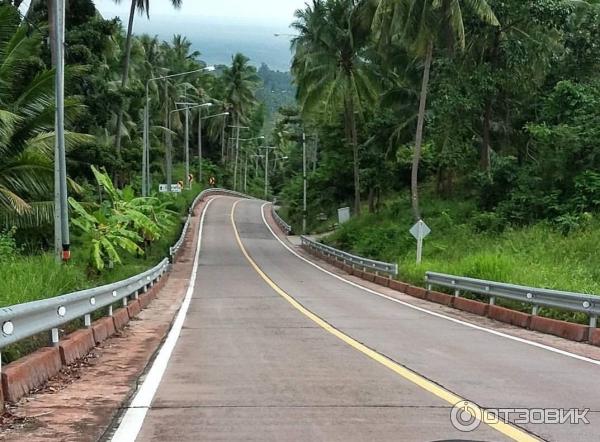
{"x":304,"y":182}
{"x":187,"y":148}
{"x":237,"y":150}
{"x":61,"y":208}
{"x":268,"y":148}
{"x":168,"y":142}
{"x":200,"y":145}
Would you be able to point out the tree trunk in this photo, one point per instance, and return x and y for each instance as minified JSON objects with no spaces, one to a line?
{"x":371,"y":200}
{"x":352,"y":135}
{"x":51,"y":33}
{"x":414,"y":182}
{"x":125,"y":75}
{"x":485,"y":152}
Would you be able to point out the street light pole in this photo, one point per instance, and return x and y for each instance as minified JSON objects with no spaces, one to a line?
{"x":61,"y":209}
{"x":187,"y":148}
{"x":146,"y":125}
{"x":237,"y":150}
{"x":200,"y":118}
{"x":267,"y":148}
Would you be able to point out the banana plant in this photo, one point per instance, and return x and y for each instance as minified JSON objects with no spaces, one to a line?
{"x":106,"y":236}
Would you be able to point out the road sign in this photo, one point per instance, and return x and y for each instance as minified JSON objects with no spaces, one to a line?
{"x":344,"y":215}
{"x":420,"y":230}
{"x":175,"y":188}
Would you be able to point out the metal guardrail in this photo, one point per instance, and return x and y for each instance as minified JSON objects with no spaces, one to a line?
{"x":25,"y":320}
{"x":280,"y":222}
{"x":575,"y":302}
{"x":173,"y":250}
{"x":355,"y":261}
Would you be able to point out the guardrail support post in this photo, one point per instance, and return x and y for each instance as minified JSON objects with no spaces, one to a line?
{"x":457,"y":293}
{"x":110,"y":311}
{"x":125,"y":301}
{"x":136,"y":295}
{"x":87,"y":320}
{"x":534,"y":310}
{"x":54,"y":337}
{"x":593,"y":321}
{"x":429,"y":287}
{"x":492,"y":300}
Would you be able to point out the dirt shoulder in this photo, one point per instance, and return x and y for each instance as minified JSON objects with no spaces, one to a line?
{"x":81,"y":403}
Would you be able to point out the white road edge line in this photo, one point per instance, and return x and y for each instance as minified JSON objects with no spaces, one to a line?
{"x":423,"y":310}
{"x":131,"y":424}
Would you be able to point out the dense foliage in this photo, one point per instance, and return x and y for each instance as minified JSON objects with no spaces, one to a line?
{"x":108,"y":70}
{"x":507,"y":118}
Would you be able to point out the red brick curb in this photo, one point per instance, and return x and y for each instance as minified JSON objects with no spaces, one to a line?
{"x":29,"y":372}
{"x":567,"y":330}
{"x":440,"y":298}
{"x":382,"y":280}
{"x":121,"y":318}
{"x":416,"y":292}
{"x":471,"y":306}
{"x":509,"y":316}
{"x":595,"y":337}
{"x":398,"y":286}
{"x":102,"y":329}
{"x":76,"y":345}
{"x":133,"y":308}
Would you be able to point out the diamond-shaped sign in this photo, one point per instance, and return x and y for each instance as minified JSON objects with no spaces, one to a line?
{"x":420,"y":230}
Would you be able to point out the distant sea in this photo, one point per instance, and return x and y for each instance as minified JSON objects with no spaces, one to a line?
{"x":219,"y":39}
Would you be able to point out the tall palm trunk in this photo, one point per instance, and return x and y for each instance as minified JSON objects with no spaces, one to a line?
{"x":51,"y":33}
{"x":414,"y":182}
{"x":486,"y":144}
{"x":352,"y":136}
{"x":125,"y":75}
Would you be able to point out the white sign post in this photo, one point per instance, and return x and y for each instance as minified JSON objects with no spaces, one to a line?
{"x":163,"y":188}
{"x":420,"y":231}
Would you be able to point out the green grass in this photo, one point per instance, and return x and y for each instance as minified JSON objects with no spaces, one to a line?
{"x":31,"y":278}
{"x":536,"y":256}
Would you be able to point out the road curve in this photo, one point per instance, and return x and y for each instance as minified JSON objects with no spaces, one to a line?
{"x":272,"y":348}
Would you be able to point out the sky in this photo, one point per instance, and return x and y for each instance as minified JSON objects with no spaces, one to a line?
{"x":219,"y":28}
{"x":262,"y":12}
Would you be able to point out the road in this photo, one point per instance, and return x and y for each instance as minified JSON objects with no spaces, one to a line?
{"x":272,"y":348}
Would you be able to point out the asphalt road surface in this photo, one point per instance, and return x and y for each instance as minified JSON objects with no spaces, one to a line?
{"x":274,"y":349}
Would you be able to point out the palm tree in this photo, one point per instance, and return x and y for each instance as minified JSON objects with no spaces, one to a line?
{"x":420,"y":26}
{"x":27,"y":126}
{"x":240,"y":83}
{"x":141,"y":6}
{"x":331,"y":68}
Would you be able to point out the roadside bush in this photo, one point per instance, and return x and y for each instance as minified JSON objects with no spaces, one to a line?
{"x":8,"y":245}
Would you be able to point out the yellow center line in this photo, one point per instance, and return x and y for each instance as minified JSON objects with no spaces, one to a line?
{"x":473,"y":409}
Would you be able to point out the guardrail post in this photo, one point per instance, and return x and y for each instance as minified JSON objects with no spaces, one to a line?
{"x":125,"y":301}
{"x":457,"y":293}
{"x":54,"y":338}
{"x":136,"y":295}
{"x":429,"y":287}
{"x":593,"y":321}
{"x":110,"y":311}
{"x":535,"y":309}
{"x":492,"y":300}
{"x":87,"y":320}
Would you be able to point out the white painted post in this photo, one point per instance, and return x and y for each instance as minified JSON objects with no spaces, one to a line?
{"x":54,"y":337}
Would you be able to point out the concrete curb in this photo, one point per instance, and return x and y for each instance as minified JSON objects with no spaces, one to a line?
{"x":563,"y":329}
{"x":34,"y":370}
{"x":29,"y":372}
{"x":76,"y":346}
